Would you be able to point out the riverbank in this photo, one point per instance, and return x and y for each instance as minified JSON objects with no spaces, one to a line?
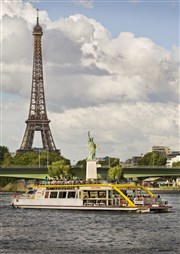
{"x":14,"y":187}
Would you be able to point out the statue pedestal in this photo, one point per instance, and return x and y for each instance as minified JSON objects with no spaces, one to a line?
{"x":91,"y":169}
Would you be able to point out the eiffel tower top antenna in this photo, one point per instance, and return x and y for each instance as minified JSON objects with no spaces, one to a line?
{"x":37,"y":119}
{"x":37,"y":16}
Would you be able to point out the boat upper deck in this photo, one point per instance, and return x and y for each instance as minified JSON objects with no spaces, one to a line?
{"x":96,"y":186}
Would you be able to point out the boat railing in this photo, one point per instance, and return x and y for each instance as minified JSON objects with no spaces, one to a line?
{"x":105,"y":201}
{"x":90,"y":184}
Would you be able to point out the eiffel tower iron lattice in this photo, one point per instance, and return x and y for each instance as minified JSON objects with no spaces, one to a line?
{"x":37,"y":119}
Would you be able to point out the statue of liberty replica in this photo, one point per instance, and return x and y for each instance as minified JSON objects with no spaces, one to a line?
{"x":91,"y":167}
{"x":92,"y":148}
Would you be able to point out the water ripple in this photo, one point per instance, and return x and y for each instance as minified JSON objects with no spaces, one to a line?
{"x":26,"y":231}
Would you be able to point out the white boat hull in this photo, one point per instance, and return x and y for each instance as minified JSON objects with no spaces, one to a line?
{"x":34,"y":204}
{"x":84,"y":208}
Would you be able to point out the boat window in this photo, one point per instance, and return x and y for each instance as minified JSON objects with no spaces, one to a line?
{"x":102,"y":194}
{"x":115,"y":194}
{"x":93,"y":194}
{"x":62,"y":194}
{"x":53,"y":194}
{"x":47,"y":194}
{"x":110,"y":194}
{"x":85,"y":194}
{"x":71,"y":194}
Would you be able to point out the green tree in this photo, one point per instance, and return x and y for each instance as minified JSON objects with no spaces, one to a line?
{"x":32,"y":158}
{"x":153,"y":159}
{"x":59,"y":169}
{"x":3,"y":151}
{"x":53,"y":156}
{"x":176,"y":164}
{"x":115,"y":172}
{"x":8,"y":160}
{"x":114,"y":162}
{"x":81,"y":163}
{"x":26,"y":159}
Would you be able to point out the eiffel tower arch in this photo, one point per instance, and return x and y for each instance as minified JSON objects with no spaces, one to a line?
{"x":37,"y":120}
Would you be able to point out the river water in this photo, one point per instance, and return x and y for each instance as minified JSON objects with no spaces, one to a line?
{"x":26,"y":231}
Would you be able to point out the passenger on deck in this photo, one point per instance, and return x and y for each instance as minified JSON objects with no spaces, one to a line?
{"x":158,"y":200}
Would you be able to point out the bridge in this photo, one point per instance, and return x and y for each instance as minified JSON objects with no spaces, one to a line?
{"x":131,"y":172}
{"x":24,"y":172}
{"x":36,"y":172}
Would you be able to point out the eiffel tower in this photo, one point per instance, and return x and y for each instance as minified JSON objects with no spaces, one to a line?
{"x":37,"y":120}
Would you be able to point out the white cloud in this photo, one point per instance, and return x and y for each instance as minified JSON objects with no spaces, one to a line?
{"x":85,"y":3}
{"x":121,"y":130}
{"x":125,"y":89}
{"x":24,"y":10}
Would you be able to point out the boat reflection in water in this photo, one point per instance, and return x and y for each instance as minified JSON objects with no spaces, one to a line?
{"x":91,"y":196}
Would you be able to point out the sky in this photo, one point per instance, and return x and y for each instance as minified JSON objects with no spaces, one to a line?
{"x":110,"y":67}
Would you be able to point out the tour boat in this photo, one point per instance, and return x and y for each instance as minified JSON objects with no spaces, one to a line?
{"x":91,"y":196}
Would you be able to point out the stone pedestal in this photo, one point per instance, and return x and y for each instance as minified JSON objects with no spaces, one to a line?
{"x":91,"y":169}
